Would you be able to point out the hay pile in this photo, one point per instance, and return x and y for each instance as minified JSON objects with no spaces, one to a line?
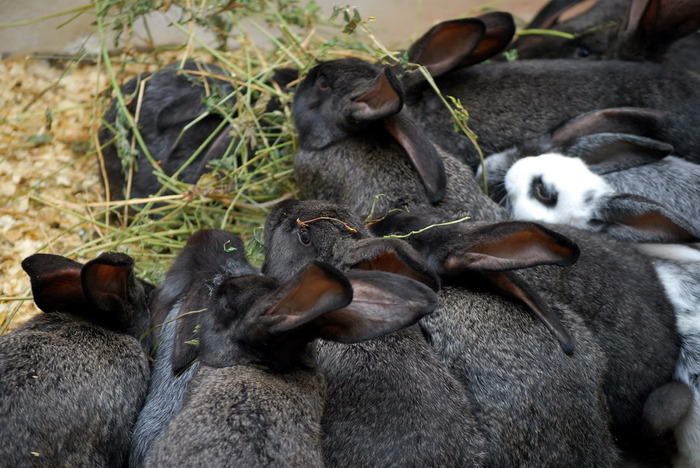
{"x":51,"y":192}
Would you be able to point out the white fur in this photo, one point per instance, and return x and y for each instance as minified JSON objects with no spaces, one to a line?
{"x":569,"y":177}
{"x":676,"y":252}
{"x":682,"y":285}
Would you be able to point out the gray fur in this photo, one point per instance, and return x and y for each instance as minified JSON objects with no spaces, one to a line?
{"x":209,"y":258}
{"x":516,"y":432}
{"x":72,"y":386}
{"x":512,"y":102}
{"x":370,"y":160}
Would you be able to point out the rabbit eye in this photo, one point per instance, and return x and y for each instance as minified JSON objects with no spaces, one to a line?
{"x":582,"y":51}
{"x":542,"y":193}
{"x":304,"y":236}
{"x":322,"y":82}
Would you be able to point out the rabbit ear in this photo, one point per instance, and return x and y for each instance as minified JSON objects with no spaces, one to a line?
{"x":216,"y":151}
{"x":55,"y":282}
{"x":632,"y":120}
{"x":611,"y":152}
{"x":549,"y":15}
{"x":651,"y":26}
{"x":385,"y":98}
{"x":382,"y":303}
{"x":106,"y":280}
{"x":444,"y":45}
{"x":500,"y":28}
{"x":185,"y":349}
{"x":635,"y":218}
{"x":512,"y":245}
{"x":393,"y":256}
{"x":512,"y":286}
{"x":320,"y":288}
{"x":422,"y":154}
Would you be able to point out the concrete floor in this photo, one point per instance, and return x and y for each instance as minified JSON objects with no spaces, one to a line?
{"x":397,"y":21}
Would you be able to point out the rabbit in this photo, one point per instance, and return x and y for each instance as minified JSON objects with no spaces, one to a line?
{"x":535,"y":405}
{"x":75,"y":377}
{"x":682,"y":284}
{"x":658,"y":30}
{"x":364,"y":146}
{"x":174,"y":121}
{"x":208,"y":259}
{"x":257,"y":397}
{"x":515,"y":101}
{"x":611,"y":287}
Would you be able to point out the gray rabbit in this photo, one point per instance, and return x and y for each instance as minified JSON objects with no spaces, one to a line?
{"x":515,"y":101}
{"x":534,"y":404}
{"x":365,"y":136}
{"x":208,"y":259}
{"x":75,"y":377}
{"x":658,"y":30}
{"x":611,"y":287}
{"x":257,"y":398}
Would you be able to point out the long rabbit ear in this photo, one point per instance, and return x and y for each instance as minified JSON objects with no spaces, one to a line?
{"x":181,"y":111}
{"x":320,"y":288}
{"x":514,"y":287}
{"x":631,"y":120}
{"x":392,"y":256}
{"x":636,"y":218}
{"x":500,"y":28}
{"x":383,"y":99}
{"x":512,"y":245}
{"x":549,"y":15}
{"x":446,"y":44}
{"x":651,"y":26}
{"x":612,"y":152}
{"x":382,"y":303}
{"x":422,"y":154}
{"x":55,"y":282}
{"x":185,"y":349}
{"x":106,"y":281}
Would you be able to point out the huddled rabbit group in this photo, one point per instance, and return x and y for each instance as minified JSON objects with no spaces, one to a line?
{"x":403,"y":316}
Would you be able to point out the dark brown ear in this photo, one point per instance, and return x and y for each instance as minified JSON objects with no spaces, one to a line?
{"x":549,"y":15}
{"x":105,"y":281}
{"x":513,"y":287}
{"x":394,"y":256}
{"x":422,"y":154}
{"x":383,"y":99}
{"x":631,"y":120}
{"x":55,"y":282}
{"x":446,"y":44}
{"x":382,"y":303}
{"x":512,"y":245}
{"x":319,"y":289}
{"x":500,"y":29}
{"x":635,"y":218}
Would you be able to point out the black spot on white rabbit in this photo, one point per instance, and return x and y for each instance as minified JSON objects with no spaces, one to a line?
{"x":511,"y":102}
{"x":534,"y":404}
{"x":75,"y":377}
{"x":658,"y":30}
{"x":611,"y":287}
{"x":257,"y":397}
{"x":208,"y":259}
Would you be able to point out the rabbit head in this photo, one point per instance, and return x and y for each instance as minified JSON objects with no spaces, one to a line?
{"x":624,"y":29}
{"x":104,"y":291}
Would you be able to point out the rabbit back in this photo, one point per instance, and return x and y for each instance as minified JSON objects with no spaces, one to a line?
{"x":70,"y":393}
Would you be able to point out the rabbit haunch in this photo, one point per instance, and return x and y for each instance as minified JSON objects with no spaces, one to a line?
{"x":76,"y":376}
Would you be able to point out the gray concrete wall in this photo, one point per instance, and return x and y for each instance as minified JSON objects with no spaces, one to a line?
{"x":397,"y":21}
